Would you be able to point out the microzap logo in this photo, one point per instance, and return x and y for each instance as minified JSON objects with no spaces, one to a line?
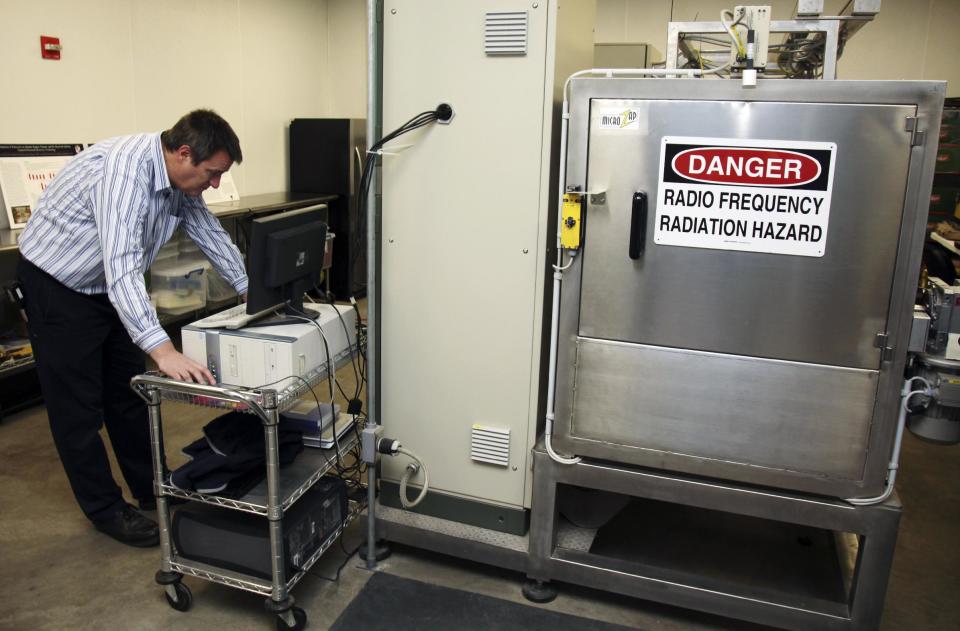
{"x":619,"y":120}
{"x":746,"y":165}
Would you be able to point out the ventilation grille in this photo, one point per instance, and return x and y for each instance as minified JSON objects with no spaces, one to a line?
{"x":506,"y":33}
{"x":490,"y":445}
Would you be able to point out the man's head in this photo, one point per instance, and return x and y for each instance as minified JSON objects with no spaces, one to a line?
{"x":198,"y":150}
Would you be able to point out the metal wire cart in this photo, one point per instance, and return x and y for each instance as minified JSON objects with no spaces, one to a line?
{"x":271,"y":498}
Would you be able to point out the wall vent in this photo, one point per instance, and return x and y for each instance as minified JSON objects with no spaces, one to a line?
{"x":505,"y":33}
{"x":490,"y":445}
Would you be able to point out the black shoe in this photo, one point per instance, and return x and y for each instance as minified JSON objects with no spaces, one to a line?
{"x":130,"y":527}
{"x":151,"y":504}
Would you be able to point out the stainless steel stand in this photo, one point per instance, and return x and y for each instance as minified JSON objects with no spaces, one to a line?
{"x":875,"y":528}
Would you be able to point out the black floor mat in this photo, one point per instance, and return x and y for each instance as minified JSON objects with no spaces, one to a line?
{"x":391,"y":603}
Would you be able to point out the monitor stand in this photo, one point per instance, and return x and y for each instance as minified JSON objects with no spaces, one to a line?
{"x":292,"y":315}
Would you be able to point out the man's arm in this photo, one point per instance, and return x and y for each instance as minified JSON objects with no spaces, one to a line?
{"x":206,"y":231}
{"x":120,"y":206}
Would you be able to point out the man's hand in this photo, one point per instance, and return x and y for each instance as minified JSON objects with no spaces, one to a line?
{"x":178,"y":366}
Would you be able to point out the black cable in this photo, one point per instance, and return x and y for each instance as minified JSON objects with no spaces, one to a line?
{"x":331,"y":378}
{"x":343,"y":564}
{"x":326,"y":347}
{"x":370,"y":163}
{"x":356,"y":373}
{"x":338,"y":465}
{"x":346,"y":332}
{"x":344,"y":472}
{"x":361,"y":347}
{"x":363,"y":190}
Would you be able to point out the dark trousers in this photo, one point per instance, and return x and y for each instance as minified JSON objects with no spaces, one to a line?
{"x":85,"y":360}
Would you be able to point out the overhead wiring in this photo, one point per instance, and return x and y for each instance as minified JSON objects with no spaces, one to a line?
{"x":731,"y":28}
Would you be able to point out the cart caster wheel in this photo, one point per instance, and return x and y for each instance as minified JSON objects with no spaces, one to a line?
{"x":299,"y":617}
{"x":539,"y":591}
{"x":184,"y":598}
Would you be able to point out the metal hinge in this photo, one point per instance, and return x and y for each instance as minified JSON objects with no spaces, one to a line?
{"x":886,"y":351}
{"x":917,"y":135}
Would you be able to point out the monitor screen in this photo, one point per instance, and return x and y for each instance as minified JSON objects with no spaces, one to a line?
{"x":284,"y":257}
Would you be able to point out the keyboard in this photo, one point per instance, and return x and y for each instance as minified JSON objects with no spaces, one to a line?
{"x":232,"y":318}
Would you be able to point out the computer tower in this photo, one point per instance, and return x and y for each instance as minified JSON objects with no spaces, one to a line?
{"x":326,"y":156}
{"x":273,"y":354}
{"x":240,"y":541}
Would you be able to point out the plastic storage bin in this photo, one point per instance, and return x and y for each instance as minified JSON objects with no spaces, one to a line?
{"x":168,"y":253}
{"x":189,"y":249}
{"x":218,"y":288}
{"x":179,"y":286}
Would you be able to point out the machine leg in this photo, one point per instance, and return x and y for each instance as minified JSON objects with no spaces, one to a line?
{"x":543,"y":515}
{"x":874,"y":561}
{"x":539,"y":591}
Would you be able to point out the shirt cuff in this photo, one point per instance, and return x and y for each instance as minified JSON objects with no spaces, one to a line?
{"x":151,"y":338}
{"x":241,"y":286}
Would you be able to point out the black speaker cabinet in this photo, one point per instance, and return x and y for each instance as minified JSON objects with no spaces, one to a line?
{"x":326,"y":157}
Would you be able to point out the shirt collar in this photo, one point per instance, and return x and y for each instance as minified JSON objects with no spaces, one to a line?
{"x":161,"y":180}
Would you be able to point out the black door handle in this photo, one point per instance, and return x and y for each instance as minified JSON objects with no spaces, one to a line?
{"x":638,"y":225}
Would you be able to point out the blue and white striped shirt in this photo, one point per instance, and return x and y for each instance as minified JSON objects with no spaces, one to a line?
{"x":101,"y":222}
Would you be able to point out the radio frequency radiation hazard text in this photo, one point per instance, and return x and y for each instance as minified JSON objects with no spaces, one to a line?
{"x":748,"y":195}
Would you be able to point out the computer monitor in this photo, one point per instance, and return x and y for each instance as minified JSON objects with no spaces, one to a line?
{"x":284,"y":258}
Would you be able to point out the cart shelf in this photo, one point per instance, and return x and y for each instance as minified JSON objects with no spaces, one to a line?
{"x":253,"y":400}
{"x":256,"y":584}
{"x":295,"y":480}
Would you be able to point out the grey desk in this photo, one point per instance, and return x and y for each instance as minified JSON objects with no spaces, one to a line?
{"x":268,"y":202}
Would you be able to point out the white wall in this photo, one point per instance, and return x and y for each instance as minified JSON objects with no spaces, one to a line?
{"x":909,"y":39}
{"x":138,"y":65}
{"x":347,"y":55}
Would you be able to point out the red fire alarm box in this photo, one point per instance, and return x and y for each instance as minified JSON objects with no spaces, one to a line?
{"x":49,"y":47}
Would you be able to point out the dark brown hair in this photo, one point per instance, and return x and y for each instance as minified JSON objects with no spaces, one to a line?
{"x":206,"y":133}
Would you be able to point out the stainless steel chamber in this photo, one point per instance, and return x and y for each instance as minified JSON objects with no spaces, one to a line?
{"x":741,"y":303}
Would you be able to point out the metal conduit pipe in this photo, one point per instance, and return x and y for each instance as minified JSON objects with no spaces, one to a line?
{"x":905,"y":395}
{"x":373,"y":411}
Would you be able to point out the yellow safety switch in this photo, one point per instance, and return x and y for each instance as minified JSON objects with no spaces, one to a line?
{"x":570,"y":221}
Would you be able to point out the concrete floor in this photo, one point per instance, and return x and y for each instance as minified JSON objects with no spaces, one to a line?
{"x":57,"y":572}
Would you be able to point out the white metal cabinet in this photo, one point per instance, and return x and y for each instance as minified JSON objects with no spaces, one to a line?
{"x":464,"y":235}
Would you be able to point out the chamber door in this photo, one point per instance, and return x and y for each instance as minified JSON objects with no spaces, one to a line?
{"x":816,"y":289}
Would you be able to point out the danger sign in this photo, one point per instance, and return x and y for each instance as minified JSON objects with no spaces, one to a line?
{"x":751,"y":195}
